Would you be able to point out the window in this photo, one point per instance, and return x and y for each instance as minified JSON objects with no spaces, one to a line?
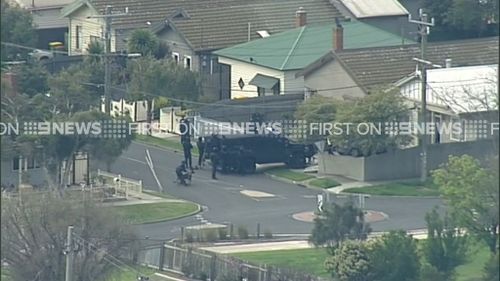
{"x":276,"y":89}
{"x":175,"y":56}
{"x":187,"y":62}
{"x":261,"y":91}
{"x":78,"y":37}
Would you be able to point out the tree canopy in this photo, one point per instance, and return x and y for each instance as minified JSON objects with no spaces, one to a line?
{"x":34,"y":237}
{"x":17,"y":28}
{"x":472,"y":193}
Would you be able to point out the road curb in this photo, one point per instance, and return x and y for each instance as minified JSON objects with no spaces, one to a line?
{"x":300,"y":184}
{"x":390,"y":196}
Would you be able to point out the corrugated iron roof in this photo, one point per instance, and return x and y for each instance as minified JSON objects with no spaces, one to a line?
{"x":374,"y":8}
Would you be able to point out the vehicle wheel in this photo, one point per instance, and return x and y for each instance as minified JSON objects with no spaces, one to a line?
{"x":296,"y":161}
{"x":248,"y":166}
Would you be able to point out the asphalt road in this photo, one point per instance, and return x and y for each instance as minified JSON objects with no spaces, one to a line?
{"x":222,"y":201}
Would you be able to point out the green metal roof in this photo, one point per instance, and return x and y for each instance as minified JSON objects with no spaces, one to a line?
{"x":299,"y":47}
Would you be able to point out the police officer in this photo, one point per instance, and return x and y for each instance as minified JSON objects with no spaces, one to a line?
{"x":214,"y":158}
{"x":201,"y":150}
{"x":187,"y":146}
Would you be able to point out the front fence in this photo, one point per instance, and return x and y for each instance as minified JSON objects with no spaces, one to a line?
{"x":206,"y":265}
{"x":121,"y":184}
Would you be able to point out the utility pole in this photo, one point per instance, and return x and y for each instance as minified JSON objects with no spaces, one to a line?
{"x":108,"y":20}
{"x":424,"y":27}
{"x":69,"y":254}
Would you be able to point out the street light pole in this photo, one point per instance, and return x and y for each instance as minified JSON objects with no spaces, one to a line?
{"x":108,"y":20}
{"x":424,"y":26}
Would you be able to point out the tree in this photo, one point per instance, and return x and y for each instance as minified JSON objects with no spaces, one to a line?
{"x":143,"y":41}
{"x":445,"y":246}
{"x":17,"y":28}
{"x":151,"y":78}
{"x":364,"y":122}
{"x":459,"y":19}
{"x":350,"y":262}
{"x":34,"y":237}
{"x":317,"y":109}
{"x":338,"y":223}
{"x":472,"y":193}
{"x":32,"y":79}
{"x":394,"y":257}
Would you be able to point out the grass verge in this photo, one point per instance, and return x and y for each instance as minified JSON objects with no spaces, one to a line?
{"x":410,"y":188}
{"x":164,"y":143}
{"x":289,"y":175}
{"x":472,"y":269}
{"x":129,"y":274}
{"x":324,"y":183}
{"x":155,"y":212}
{"x":304,"y":260}
{"x":312,"y":261}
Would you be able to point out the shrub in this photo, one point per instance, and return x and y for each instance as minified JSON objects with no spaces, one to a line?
{"x":268,"y":234}
{"x":242,"y":232}
{"x":203,"y":276}
{"x":210,"y":235}
{"x":189,"y":237}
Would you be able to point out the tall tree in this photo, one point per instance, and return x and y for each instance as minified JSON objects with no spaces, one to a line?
{"x":143,"y":41}
{"x":338,"y":223}
{"x":394,"y":257}
{"x":17,"y":28}
{"x":34,"y":237}
{"x":32,"y":79}
{"x":364,"y":122}
{"x":473,"y":196}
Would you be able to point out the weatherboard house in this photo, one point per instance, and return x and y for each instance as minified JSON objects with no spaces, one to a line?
{"x":275,"y":65}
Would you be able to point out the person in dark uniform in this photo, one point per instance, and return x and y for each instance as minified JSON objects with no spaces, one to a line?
{"x":180,"y":171}
{"x":187,"y":146}
{"x":201,"y":150}
{"x":214,"y":158}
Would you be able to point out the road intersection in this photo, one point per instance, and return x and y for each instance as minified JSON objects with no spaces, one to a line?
{"x":240,"y":200}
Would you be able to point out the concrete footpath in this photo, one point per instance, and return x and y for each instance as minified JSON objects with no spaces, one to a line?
{"x":227,"y":248}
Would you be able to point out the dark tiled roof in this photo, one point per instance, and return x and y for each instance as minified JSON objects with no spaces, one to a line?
{"x":378,"y":66}
{"x":215,"y":24}
{"x":241,"y":110}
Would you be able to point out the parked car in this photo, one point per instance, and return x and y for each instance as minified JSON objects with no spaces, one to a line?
{"x":41,"y":55}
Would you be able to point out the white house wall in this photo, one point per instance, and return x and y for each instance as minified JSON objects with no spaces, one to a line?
{"x":90,"y":27}
{"x":178,"y":44}
{"x":247,"y":72}
{"x":332,"y":81}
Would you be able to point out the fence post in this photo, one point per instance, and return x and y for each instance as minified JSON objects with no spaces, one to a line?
{"x":182,"y":234}
{"x":140,"y":186}
{"x":213,"y":273}
{"x":231,"y":229}
{"x":258,"y":230}
{"x":162,"y":256}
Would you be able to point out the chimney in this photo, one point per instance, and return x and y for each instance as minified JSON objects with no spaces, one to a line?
{"x":338,"y":36}
{"x":300,"y":17}
{"x":447,"y":63}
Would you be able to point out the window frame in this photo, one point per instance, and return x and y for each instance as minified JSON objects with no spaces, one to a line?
{"x":186,"y":58}
{"x":176,"y":57}
{"x":78,"y":37}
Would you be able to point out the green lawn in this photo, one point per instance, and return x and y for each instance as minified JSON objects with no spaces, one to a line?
{"x":174,"y":144}
{"x":324,"y":183}
{"x":304,"y":260}
{"x":289,"y":175}
{"x":408,"y":188}
{"x":154,"y":212}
